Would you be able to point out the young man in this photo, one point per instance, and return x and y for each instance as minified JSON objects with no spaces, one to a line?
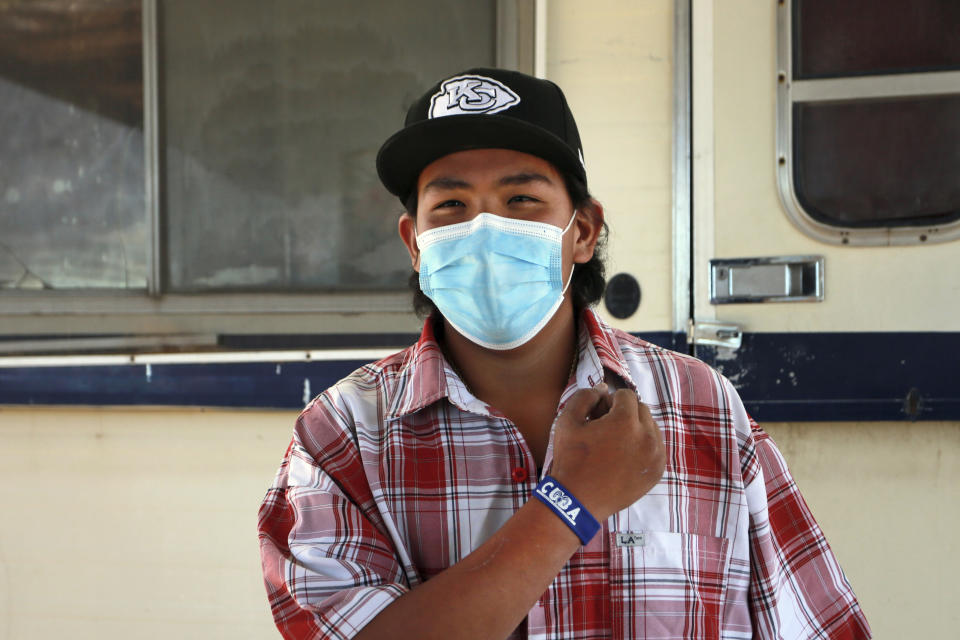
{"x":524,"y":470}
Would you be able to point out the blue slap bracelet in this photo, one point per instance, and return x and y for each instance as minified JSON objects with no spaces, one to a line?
{"x":561,"y":502}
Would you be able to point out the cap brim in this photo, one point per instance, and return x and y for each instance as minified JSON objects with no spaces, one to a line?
{"x":405,"y":154}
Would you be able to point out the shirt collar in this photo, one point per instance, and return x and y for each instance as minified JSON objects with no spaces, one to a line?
{"x":422,"y":378}
{"x":425,"y":376}
{"x":599,"y":352}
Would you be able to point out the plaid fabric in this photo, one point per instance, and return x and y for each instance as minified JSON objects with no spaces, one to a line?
{"x":397,"y":472}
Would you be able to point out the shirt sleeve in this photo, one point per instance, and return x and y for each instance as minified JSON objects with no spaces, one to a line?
{"x":329,"y":564}
{"x":797,"y":588}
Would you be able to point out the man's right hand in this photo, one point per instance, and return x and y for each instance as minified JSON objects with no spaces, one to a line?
{"x":607,"y":450}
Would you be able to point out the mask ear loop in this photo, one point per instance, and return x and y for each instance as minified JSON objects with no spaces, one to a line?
{"x":572,"y":267}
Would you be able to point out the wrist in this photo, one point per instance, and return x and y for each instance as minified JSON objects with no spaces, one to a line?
{"x":565,"y":506}
{"x":595,"y":498}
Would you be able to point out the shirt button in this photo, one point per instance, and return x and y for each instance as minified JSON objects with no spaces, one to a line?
{"x":519,"y":474}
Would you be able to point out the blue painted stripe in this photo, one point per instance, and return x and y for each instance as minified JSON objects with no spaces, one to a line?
{"x":780,"y":376}
{"x":287,"y":385}
{"x":844,"y":376}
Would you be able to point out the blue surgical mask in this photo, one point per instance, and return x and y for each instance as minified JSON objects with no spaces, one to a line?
{"x":496,"y":280}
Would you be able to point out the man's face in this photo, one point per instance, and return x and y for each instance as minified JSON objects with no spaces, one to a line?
{"x":511,"y":184}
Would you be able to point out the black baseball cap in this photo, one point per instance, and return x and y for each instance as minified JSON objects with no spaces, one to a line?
{"x":482,"y":109}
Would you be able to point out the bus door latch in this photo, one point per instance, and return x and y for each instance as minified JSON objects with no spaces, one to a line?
{"x":774,"y":279}
{"x":715,"y":334}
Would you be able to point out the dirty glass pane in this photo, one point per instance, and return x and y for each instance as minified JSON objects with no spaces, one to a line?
{"x":879,"y":163}
{"x":856,"y":37}
{"x":273,"y":114}
{"x":72,"y":210}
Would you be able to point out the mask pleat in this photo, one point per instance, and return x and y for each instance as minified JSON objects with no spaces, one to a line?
{"x":495,"y":281}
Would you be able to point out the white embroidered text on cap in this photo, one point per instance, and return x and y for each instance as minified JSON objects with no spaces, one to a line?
{"x":471,"y":95}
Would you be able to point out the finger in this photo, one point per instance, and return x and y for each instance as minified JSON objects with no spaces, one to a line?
{"x":647,"y":418}
{"x":602,"y":407}
{"x":650,"y":429}
{"x":582,"y":403}
{"x":625,"y":403}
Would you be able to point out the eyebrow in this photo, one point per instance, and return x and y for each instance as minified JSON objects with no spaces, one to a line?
{"x":446,"y":182}
{"x":524,"y":178}
{"x":449,"y":182}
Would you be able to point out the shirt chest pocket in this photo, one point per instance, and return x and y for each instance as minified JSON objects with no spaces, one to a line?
{"x":667,"y":585}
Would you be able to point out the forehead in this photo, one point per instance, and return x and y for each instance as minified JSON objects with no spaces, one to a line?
{"x":478,"y":167}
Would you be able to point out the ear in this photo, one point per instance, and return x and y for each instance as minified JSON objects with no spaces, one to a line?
{"x":586,"y":231}
{"x":407,"y":226}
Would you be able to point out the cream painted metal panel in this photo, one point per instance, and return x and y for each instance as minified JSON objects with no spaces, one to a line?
{"x":868,"y":484}
{"x":109,"y":538}
{"x":886,"y":498}
{"x":614,"y":61}
{"x":901,"y":288}
{"x":140,"y":523}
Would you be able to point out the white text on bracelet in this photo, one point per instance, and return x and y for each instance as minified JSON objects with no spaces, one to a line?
{"x":560,"y":500}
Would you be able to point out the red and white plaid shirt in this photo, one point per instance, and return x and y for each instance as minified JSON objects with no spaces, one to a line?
{"x":397,"y":472}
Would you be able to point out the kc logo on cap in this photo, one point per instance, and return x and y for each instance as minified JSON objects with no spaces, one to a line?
{"x":471,"y":95}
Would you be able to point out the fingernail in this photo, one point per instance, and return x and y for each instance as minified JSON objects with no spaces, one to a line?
{"x":601,"y":387}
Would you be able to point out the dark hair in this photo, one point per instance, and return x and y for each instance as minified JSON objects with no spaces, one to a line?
{"x":589,"y":278}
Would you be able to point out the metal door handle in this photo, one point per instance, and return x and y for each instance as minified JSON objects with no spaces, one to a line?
{"x":775,"y":279}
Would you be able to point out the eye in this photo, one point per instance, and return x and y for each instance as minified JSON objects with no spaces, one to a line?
{"x":521,"y":199}
{"x":446,"y":204}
